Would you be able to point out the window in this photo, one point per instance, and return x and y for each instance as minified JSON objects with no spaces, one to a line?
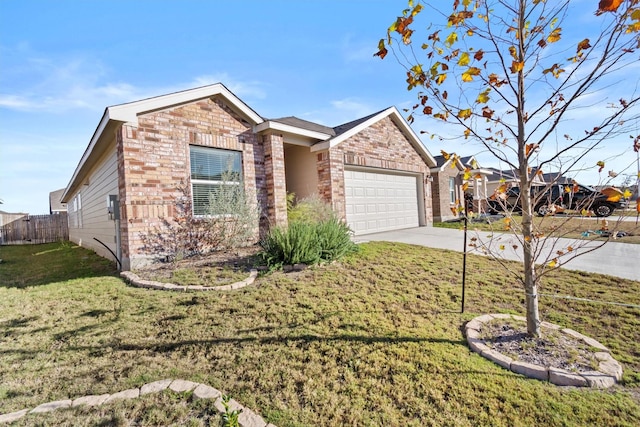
{"x":452,"y":190}
{"x":75,"y":212}
{"x":211,"y":169}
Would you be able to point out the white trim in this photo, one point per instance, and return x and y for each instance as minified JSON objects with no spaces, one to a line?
{"x":447,"y":164}
{"x":397,"y":119}
{"x":128,"y":113}
{"x":87,"y":152}
{"x":282,"y":127}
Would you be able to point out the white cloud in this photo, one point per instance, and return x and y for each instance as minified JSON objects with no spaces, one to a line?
{"x":243,"y":89}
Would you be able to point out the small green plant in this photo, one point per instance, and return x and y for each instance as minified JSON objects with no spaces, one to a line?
{"x":315,"y":234}
{"x":294,"y":244}
{"x":229,"y":416}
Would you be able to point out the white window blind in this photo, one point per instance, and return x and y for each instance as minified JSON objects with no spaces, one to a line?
{"x":212,"y":168}
{"x":452,"y":190}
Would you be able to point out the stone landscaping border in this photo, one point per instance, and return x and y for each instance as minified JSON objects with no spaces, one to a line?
{"x":609,"y":370}
{"x":246,"y":418}
{"x":134,"y":280}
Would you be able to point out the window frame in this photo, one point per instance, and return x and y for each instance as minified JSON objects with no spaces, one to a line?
{"x":453,"y":197}
{"x":235,"y":159}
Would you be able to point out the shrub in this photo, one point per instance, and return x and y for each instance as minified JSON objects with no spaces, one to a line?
{"x":334,"y":239}
{"x":315,"y":234}
{"x":295,"y":244}
{"x":231,"y":222}
{"x":308,"y":209}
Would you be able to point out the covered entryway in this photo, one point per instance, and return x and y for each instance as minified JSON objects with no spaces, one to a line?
{"x":378,"y":200}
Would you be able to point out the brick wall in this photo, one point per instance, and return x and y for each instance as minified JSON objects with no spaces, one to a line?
{"x":276,"y":184}
{"x":153,"y":158}
{"x":381,"y":145}
{"x":441,"y":198}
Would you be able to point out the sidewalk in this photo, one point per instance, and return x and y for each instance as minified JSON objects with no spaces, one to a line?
{"x":614,"y":259}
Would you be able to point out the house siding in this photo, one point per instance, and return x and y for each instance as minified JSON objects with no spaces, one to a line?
{"x":154,"y":161}
{"x":95,"y":223}
{"x":381,"y":145}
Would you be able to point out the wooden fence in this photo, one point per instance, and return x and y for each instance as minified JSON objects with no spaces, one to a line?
{"x":33,"y":229}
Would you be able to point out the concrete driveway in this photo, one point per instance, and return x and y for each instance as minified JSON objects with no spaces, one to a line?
{"x":614,"y":259}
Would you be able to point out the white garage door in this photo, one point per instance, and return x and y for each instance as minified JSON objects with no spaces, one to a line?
{"x":378,"y":202}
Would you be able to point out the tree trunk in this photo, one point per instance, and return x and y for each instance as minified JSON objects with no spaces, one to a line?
{"x":530,"y":278}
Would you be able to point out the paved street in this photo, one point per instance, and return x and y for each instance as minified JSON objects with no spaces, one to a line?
{"x":614,"y":259}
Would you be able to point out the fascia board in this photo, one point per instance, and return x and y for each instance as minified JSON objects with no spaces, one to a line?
{"x":398,"y":119}
{"x":128,"y":113}
{"x":87,"y":152}
{"x":282,"y":127}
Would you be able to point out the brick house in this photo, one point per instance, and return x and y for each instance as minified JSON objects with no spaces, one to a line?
{"x":448,"y":190}
{"x":374,"y":171}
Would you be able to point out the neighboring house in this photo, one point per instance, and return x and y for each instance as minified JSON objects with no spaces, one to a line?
{"x":55,"y":205}
{"x":373,"y":171}
{"x":447,"y":187}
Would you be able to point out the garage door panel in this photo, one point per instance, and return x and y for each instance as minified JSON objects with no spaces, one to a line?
{"x":378,"y":202}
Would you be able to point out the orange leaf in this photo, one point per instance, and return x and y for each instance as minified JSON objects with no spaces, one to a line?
{"x":529,"y":148}
{"x":608,"y":6}
{"x":465,"y":186}
{"x":584,"y":44}
{"x":445,"y":154}
{"x":382,"y":50}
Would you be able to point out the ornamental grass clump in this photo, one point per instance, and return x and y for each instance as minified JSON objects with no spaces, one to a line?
{"x":314,"y":234}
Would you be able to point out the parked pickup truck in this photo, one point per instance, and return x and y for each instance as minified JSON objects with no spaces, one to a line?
{"x":556,"y":198}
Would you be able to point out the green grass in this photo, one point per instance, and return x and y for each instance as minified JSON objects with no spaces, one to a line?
{"x":557,"y":226}
{"x":373,"y":340}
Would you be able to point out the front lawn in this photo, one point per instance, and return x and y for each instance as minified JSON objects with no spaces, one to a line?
{"x":373,"y":340}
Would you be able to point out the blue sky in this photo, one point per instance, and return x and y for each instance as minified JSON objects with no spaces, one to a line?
{"x":62,"y":62}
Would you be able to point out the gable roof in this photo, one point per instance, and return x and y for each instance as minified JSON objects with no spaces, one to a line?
{"x":347,"y":130}
{"x":340,"y":129}
{"x":441,"y":163}
{"x":55,"y":205}
{"x":117,"y":115}
{"x":302,"y":132}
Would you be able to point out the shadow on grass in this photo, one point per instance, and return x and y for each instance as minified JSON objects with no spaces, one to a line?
{"x":300,"y":339}
{"x":26,"y":266}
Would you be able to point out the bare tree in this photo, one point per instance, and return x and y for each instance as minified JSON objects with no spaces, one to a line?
{"x":505,"y":75}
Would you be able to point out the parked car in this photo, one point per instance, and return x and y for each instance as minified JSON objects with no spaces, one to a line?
{"x":557,"y":198}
